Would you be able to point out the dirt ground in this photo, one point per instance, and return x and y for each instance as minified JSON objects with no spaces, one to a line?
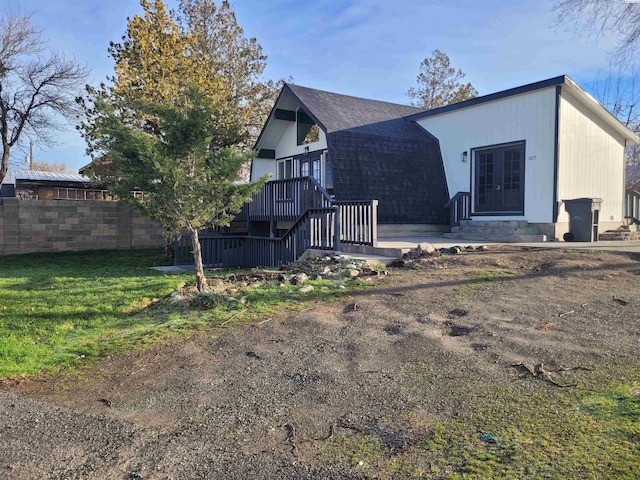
{"x":267,"y":401}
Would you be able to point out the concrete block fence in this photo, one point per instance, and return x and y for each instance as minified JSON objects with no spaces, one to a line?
{"x":28,"y":226}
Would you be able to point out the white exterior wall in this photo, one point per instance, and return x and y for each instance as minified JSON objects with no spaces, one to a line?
{"x":590,"y":160}
{"x":287,"y":147}
{"x":262,"y":167}
{"x":529,"y":117}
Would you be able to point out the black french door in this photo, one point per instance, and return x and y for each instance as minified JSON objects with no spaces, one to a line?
{"x":499,"y":179}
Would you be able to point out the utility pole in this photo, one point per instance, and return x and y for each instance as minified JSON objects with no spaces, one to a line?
{"x":30,"y":155}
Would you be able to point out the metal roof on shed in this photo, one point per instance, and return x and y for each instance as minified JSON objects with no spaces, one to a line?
{"x":39,"y":176}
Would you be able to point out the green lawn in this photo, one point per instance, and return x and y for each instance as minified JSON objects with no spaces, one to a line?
{"x":69,"y":309}
{"x":63,"y":308}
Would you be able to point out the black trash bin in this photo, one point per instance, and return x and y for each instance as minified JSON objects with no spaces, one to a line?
{"x":583,"y":219}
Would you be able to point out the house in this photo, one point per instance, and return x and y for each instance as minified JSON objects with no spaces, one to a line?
{"x":508,"y":166}
{"x":363,"y":149}
{"x":45,"y":185}
{"x":516,"y":155}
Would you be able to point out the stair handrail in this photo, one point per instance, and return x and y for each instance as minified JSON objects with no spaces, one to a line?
{"x":459,"y":208}
{"x":456,"y":197}
{"x":332,"y":239}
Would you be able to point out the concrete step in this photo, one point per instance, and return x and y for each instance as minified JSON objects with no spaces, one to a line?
{"x":379,"y":251}
{"x":495,"y":223}
{"x":619,"y":235}
{"x":510,"y":231}
{"x":371,"y":259}
{"x":497,"y":229}
{"x":498,"y":237}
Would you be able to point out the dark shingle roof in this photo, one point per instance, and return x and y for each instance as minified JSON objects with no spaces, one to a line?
{"x":337,"y":112}
{"x":378,"y":153}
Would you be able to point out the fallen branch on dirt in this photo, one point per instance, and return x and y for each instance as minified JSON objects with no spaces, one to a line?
{"x":621,"y":301}
{"x":546,"y":326}
{"x":342,"y":424}
{"x":567,"y":369}
{"x":291,"y":432}
{"x":300,"y":312}
{"x":233,"y":316}
{"x":564,"y":314}
{"x":265,"y":321}
{"x":539,"y":371}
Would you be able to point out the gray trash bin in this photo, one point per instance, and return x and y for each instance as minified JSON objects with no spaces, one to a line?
{"x":583,"y":219}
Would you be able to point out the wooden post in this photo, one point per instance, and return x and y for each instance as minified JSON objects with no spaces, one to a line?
{"x":336,"y":229}
{"x":272,"y":223}
{"x":374,"y":223}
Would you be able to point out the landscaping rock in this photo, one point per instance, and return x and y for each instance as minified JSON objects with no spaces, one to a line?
{"x":306,"y":289}
{"x":427,"y":248}
{"x":398,"y":263}
{"x":353,"y":273}
{"x":299,"y":278}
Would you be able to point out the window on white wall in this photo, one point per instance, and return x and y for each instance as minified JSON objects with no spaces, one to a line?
{"x":304,"y":168}
{"x":285,"y":169}
{"x":316,"y":169}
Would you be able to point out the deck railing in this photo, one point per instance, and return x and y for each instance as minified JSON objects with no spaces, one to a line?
{"x":459,"y":208}
{"x":285,"y":200}
{"x":632,"y":205}
{"x":325,"y":228}
{"x":358,"y":222}
{"x":314,"y":229}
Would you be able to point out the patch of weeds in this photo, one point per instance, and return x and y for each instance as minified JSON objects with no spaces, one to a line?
{"x":617,"y":409}
{"x":355,"y":451}
{"x":384,"y":449}
{"x":551,"y":434}
{"x":206,"y":300}
{"x":487,"y":276}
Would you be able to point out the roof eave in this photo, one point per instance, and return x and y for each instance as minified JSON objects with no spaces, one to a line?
{"x":287,"y":89}
{"x":306,"y":109}
{"x":271,"y":113}
{"x":605,"y":115}
{"x":550,"y":82}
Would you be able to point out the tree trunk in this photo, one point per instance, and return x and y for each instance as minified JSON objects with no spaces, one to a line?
{"x":4,"y":167}
{"x":201,"y":280}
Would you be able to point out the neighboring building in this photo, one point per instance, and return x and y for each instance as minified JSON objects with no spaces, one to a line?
{"x":43,"y":185}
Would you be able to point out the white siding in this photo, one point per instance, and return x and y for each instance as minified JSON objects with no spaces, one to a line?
{"x":590,"y":160}
{"x":529,"y":117}
{"x":262,"y":167}
{"x":287,"y":145}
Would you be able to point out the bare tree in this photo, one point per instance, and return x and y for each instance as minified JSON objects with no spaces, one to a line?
{"x":439,"y":84}
{"x":37,"y":87}
{"x":619,"y":92}
{"x":601,"y":17}
{"x":43,"y":166}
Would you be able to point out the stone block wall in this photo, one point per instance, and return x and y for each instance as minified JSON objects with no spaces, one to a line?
{"x":28,"y":226}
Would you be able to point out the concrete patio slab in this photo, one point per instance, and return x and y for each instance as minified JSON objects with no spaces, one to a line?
{"x":632,"y":246}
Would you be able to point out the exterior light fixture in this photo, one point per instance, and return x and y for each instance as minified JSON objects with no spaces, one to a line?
{"x":306,"y":149}
{"x":463,"y":157}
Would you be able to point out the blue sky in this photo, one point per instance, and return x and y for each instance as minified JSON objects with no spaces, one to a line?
{"x":368,"y":48}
